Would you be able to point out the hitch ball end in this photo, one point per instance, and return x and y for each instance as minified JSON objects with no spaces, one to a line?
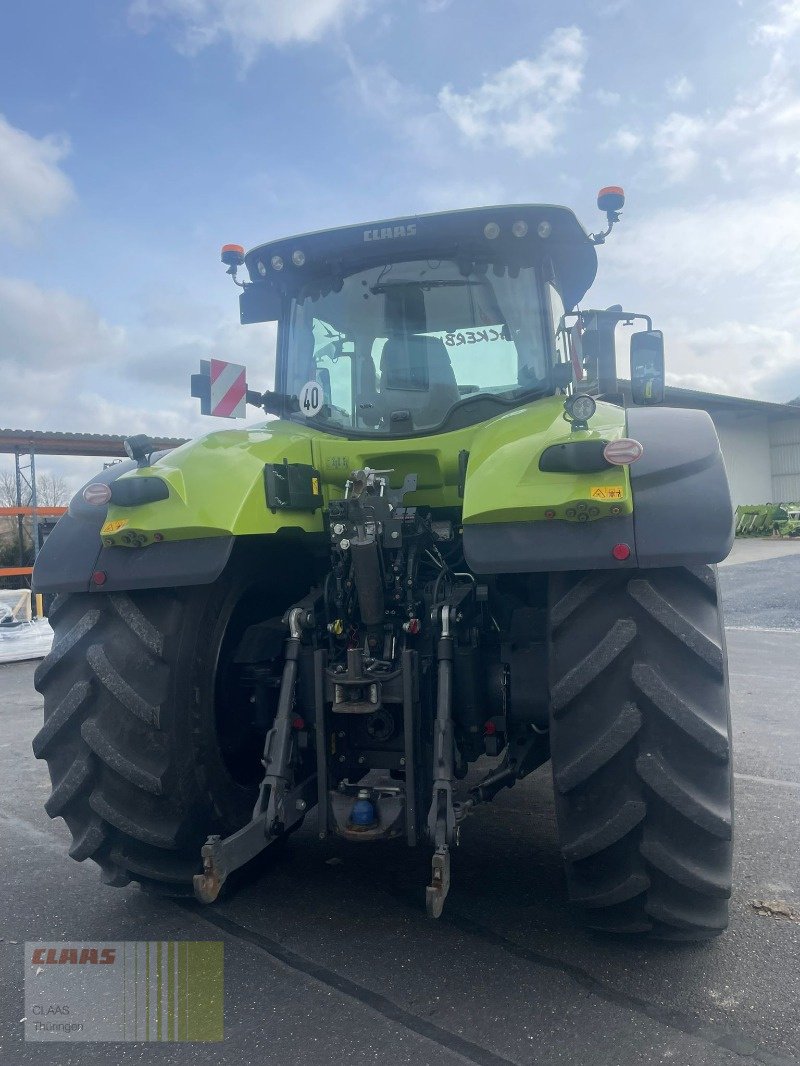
{"x":363,"y":814}
{"x":208,"y":885}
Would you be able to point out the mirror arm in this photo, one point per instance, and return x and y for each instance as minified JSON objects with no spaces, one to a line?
{"x":600,"y":238}
{"x":274,"y":403}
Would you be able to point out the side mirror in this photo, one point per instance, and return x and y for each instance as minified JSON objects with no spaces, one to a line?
{"x":647,"y":367}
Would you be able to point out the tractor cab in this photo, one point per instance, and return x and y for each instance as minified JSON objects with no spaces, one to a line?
{"x":419,"y":325}
{"x":434,"y":323}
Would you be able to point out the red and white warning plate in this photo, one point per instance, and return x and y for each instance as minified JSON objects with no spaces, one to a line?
{"x":228,"y":389}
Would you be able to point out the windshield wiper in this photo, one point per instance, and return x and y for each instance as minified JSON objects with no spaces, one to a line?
{"x":431,"y":284}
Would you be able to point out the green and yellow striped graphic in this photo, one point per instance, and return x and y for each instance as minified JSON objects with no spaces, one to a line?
{"x":173,"y":990}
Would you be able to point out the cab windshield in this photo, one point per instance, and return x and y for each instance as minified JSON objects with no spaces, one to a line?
{"x":397,"y":346}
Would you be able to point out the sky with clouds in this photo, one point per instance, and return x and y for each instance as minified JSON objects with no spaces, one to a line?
{"x":137,"y":136}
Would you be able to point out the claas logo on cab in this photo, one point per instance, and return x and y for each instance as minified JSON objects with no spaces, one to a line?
{"x":74,"y":956}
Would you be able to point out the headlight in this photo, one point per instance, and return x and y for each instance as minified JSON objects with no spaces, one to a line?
{"x":580,"y":407}
{"x":138,"y":448}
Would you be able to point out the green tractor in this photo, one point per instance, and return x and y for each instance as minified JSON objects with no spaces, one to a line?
{"x":454,"y":544}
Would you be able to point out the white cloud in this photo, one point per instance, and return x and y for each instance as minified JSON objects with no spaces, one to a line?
{"x":248,"y":25}
{"x":32,"y":185}
{"x":45,"y":330}
{"x":785,"y":23}
{"x":624,"y":141}
{"x":523,"y":105}
{"x":420,"y":130}
{"x":450,"y":195}
{"x":762,"y":127}
{"x":677,"y":142}
{"x":735,"y":358}
{"x":698,"y":249}
{"x":679,"y":88}
{"x":606,"y":98}
{"x":757,"y":135}
{"x":64,"y":367}
{"x":723,"y":281}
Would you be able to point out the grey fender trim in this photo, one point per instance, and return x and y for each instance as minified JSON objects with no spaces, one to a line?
{"x":682,"y":509}
{"x":531,"y":547}
{"x":165,"y":565}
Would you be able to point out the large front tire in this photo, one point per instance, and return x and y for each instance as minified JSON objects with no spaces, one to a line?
{"x":144,"y":737}
{"x":641,"y":754}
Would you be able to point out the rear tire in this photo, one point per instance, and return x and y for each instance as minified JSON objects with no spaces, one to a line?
{"x":641,"y":753}
{"x":137,"y":736}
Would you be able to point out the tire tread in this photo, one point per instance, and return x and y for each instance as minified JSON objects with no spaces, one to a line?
{"x":640,"y":742}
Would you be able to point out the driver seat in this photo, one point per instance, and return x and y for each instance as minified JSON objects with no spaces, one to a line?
{"x":417,"y":376}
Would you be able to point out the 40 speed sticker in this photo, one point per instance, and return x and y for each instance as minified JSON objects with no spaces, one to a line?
{"x":311,"y":399}
{"x":114,"y":526}
{"x":607,"y":492}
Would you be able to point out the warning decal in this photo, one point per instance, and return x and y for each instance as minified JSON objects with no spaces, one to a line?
{"x":228,"y":389}
{"x":115,"y":525}
{"x":607,"y":492}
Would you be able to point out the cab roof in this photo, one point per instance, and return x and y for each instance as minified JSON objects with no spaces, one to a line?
{"x":279,"y":267}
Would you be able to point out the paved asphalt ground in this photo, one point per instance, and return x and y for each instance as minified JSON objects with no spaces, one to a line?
{"x":335,"y":962}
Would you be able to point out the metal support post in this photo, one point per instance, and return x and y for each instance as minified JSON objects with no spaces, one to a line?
{"x":20,"y":524}
{"x":34,"y":504}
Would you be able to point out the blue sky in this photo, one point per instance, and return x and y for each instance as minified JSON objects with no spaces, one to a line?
{"x":137,"y":137}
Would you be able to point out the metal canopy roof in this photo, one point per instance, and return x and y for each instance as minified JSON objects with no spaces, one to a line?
{"x":678,"y":397}
{"x":46,"y":442}
{"x":717,"y":401}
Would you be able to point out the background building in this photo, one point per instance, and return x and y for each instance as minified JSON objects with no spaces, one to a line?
{"x":760,"y":442}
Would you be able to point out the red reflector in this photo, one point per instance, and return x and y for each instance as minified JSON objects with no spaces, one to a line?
{"x":549,"y":514}
{"x":621,"y":552}
{"x":490,"y":729}
{"x":623,"y":452}
{"x":158,"y":537}
{"x":99,"y":577}
{"x":298,"y":723}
